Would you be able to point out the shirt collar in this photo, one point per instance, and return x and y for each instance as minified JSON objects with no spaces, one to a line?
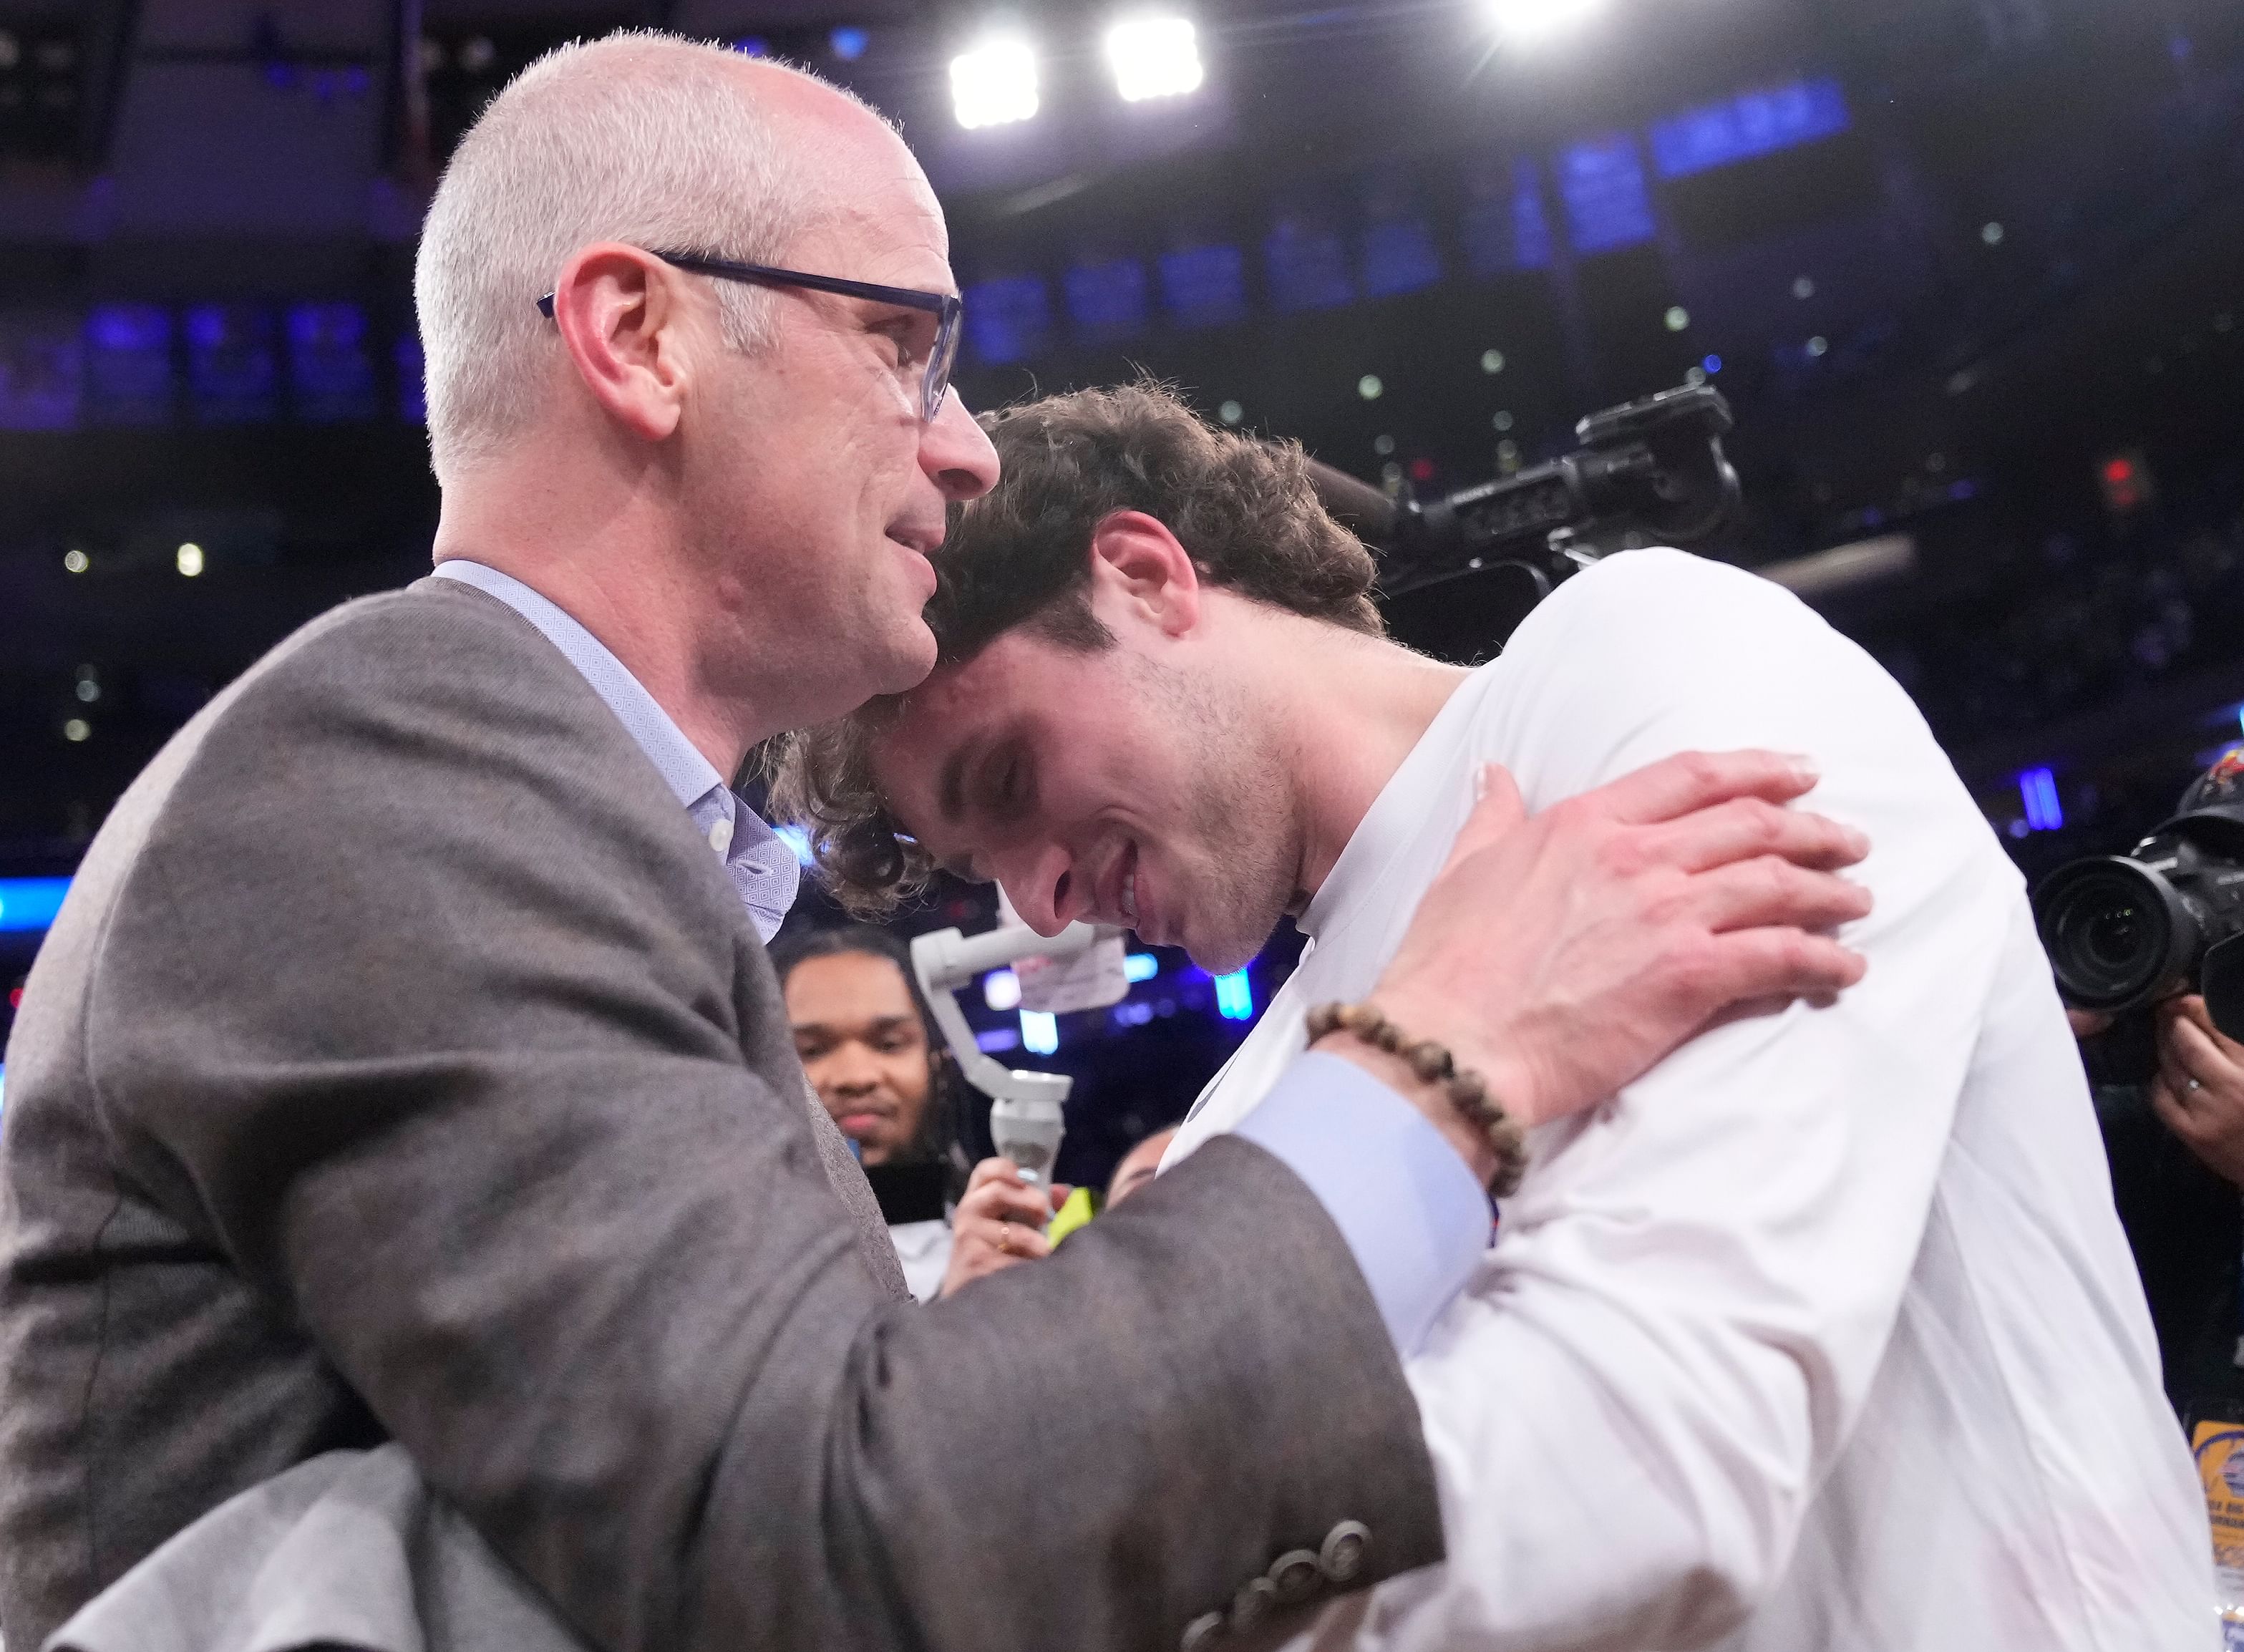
{"x":754,"y":857}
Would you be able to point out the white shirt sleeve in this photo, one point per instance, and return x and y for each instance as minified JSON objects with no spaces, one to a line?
{"x":1632,"y":1405}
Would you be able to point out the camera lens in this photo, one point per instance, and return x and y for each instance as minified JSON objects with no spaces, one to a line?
{"x":2115,"y":932}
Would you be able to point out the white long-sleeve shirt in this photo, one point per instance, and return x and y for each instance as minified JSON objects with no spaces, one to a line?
{"x":1822,"y":1336}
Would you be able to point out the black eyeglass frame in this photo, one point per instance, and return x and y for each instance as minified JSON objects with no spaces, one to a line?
{"x":948,"y":308}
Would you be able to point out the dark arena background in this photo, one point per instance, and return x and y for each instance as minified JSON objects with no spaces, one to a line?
{"x":1968,"y":272}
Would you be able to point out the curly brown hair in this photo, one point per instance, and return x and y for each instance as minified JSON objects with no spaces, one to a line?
{"x":1020,"y":557}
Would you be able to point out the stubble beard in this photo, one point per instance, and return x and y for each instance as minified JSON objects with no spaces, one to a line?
{"x":1244,"y":830}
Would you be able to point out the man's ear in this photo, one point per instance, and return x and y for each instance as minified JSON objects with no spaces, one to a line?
{"x":619,"y":314}
{"x":1139,"y":567}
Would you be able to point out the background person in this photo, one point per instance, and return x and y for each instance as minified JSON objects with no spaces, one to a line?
{"x":1139,"y":1166}
{"x":879,"y":1065}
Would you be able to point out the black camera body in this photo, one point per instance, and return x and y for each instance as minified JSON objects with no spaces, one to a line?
{"x":2125,"y":932}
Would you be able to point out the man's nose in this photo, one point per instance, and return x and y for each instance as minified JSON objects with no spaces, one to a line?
{"x":955,"y":453}
{"x":851,"y":1072}
{"x":1044,"y":889}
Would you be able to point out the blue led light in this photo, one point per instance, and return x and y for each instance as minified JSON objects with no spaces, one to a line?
{"x":796,"y":838}
{"x":1203,"y":285}
{"x":1107,"y":299}
{"x":1713,"y":364}
{"x":1608,"y":204}
{"x":2037,"y":791}
{"x":1307,"y":265}
{"x":849,"y":43}
{"x":1754,"y":123}
{"x":1235,"y":996}
{"x":1039,"y":1033}
{"x":1140,"y":966}
{"x":29,"y":904}
{"x":1008,"y":319}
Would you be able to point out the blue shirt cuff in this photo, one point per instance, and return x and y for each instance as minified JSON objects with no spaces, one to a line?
{"x":1402,"y":1199}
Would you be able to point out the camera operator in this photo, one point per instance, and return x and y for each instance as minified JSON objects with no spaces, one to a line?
{"x":870,"y":1050}
{"x":2176,"y":1148}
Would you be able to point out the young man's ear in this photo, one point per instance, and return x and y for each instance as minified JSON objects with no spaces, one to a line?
{"x":1139,"y":570}
{"x":618,"y":311}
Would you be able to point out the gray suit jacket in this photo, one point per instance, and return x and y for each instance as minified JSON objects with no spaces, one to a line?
{"x":403,"y":1066}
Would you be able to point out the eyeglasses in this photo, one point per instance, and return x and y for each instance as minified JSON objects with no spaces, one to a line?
{"x":946,"y":307}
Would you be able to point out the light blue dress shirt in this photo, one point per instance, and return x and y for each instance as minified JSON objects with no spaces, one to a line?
{"x":762,"y":867}
{"x":1409,"y":1211}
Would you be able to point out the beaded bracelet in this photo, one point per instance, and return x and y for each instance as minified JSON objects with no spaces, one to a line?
{"x":1432,"y":1063}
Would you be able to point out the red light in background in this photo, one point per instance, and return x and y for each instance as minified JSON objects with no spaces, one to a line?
{"x":1422,"y":470}
{"x":14,"y":997}
{"x":2126,"y":481}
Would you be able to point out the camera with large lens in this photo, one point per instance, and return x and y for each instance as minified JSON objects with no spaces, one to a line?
{"x":2124,"y":931}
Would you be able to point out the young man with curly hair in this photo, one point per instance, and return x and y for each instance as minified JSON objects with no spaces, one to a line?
{"x":1820,"y":1335}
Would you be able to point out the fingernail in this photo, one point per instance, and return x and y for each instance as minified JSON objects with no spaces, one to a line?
{"x":1803,"y":765}
{"x":1024,"y":1176}
{"x":1859,"y":843}
{"x":1480,"y":782}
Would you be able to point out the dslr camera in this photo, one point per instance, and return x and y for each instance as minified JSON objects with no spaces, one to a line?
{"x":2124,"y":931}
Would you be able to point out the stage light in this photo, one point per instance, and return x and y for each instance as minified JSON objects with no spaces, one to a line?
{"x":1677,"y":318}
{"x":1713,"y":364}
{"x":1527,"y":21}
{"x":75,"y":561}
{"x":1382,"y":445}
{"x":1818,"y":345}
{"x":797,"y":838}
{"x":1235,"y":997}
{"x":76,"y":730}
{"x":29,"y":903}
{"x":1140,"y":966}
{"x":1001,"y":991}
{"x":1039,"y":1033}
{"x":1231,"y":412}
{"x":849,"y":44}
{"x":1155,"y":57}
{"x":189,"y":561}
{"x":1369,"y":388}
{"x":1502,"y":421}
{"x":2038,"y":790}
{"x":1803,"y":287}
{"x":1991,"y":234}
{"x":1491,"y":361}
{"x":995,"y":84}
{"x":88,"y":690}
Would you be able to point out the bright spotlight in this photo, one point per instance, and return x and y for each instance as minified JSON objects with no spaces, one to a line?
{"x":189,"y":560}
{"x":1531,"y":20}
{"x":1155,"y":57}
{"x":995,"y":84}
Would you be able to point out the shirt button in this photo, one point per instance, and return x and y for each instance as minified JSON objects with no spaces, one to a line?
{"x":720,"y":835}
{"x":1342,"y":1558}
{"x":1295,"y":1576}
{"x":1254,"y":1602}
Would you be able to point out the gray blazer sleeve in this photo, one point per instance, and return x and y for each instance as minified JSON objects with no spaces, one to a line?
{"x":424,"y":1002}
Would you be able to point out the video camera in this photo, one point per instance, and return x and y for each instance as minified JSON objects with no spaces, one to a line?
{"x":1653,"y":467}
{"x":2125,"y":932}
